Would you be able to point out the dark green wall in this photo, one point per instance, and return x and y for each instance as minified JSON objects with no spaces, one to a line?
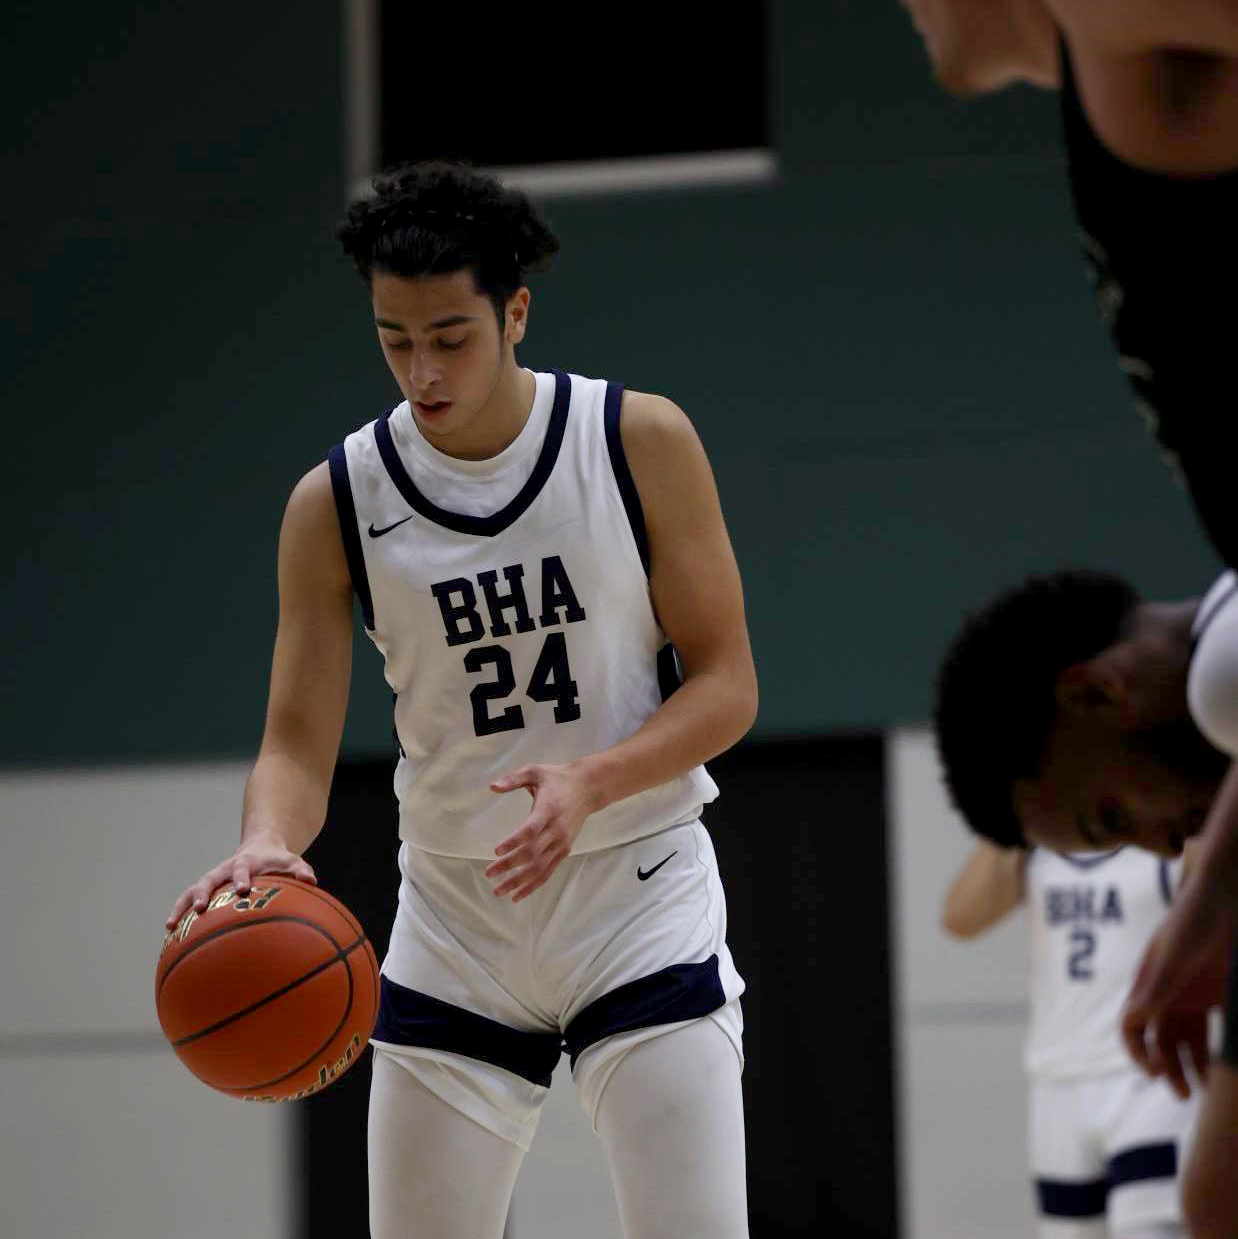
{"x":891,"y":355}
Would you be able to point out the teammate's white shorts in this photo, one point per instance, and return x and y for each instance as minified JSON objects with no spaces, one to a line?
{"x":480,"y":995}
{"x":1107,"y":1149}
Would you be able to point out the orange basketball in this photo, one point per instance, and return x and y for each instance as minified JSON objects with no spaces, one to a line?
{"x":269,"y":997}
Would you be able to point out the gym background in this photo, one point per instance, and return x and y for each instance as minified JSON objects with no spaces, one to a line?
{"x":868,"y":298}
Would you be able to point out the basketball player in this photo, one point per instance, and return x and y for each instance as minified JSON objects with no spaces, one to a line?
{"x":1119,"y":719}
{"x":1104,"y":1140}
{"x":1150,"y":123}
{"x":526,"y":549}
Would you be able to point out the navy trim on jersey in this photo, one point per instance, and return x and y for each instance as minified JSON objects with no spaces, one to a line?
{"x":680,"y":992}
{"x":346,"y":510}
{"x":408,"y":1017}
{"x":395,"y":730}
{"x":1057,"y":1199}
{"x":1146,"y":1161}
{"x":1167,"y":888}
{"x":623,"y":475}
{"x":669,"y":678}
{"x":482,"y":526}
{"x":1089,"y":862}
{"x":1200,"y":625}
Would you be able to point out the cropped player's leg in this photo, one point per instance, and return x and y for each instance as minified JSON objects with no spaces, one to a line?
{"x":1068,"y":1167}
{"x":1209,"y":1182}
{"x":671,"y":1118}
{"x":434,"y":1172}
{"x":1149,"y":1129}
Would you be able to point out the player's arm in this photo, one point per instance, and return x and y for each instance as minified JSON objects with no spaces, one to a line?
{"x":286,"y":795}
{"x":695,"y":586}
{"x":987,"y":889}
{"x":698,"y":598}
{"x":1184,"y":969}
{"x":979,"y":48}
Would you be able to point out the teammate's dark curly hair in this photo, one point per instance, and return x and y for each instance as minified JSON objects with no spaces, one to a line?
{"x":436,"y":218}
{"x":996,"y":686}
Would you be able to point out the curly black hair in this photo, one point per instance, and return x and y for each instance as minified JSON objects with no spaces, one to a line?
{"x":434,"y":218}
{"x":996,"y":687}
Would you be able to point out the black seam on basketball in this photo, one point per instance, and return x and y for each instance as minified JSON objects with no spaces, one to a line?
{"x":282,"y":918}
{"x":255,"y":1088}
{"x":334,"y":904}
{"x":341,"y":953}
{"x":325,"y":897}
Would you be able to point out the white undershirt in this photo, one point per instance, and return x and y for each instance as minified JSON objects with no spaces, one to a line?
{"x":474,"y":487}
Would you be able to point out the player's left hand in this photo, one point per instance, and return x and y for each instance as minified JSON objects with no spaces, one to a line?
{"x":1181,"y":977}
{"x":562,"y":799}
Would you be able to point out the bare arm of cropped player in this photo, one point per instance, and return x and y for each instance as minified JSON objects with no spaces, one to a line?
{"x":696,"y":591}
{"x":987,"y":889}
{"x":286,"y":795}
{"x":1184,"y":969}
{"x":1159,"y":81}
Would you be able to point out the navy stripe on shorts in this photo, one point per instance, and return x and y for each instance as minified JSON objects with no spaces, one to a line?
{"x":409,"y":1017}
{"x":1141,"y":1164}
{"x":681,"y":992}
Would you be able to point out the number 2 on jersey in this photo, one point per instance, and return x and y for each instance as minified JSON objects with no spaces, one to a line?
{"x":1082,"y":945}
{"x":551,"y":681}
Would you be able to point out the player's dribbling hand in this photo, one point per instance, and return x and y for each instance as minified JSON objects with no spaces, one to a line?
{"x":258,"y":854}
{"x":1180,"y":979}
{"x":562,"y":800}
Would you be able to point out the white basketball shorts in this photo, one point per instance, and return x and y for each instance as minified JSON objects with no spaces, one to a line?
{"x":1107,"y":1149}
{"x":480,"y":996}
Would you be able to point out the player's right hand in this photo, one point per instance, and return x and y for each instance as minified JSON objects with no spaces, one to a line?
{"x":257,"y":854}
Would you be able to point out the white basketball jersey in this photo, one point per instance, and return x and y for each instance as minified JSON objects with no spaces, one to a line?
{"x":523,"y":635}
{"x":1091,"y":917}
{"x":1212,"y":683}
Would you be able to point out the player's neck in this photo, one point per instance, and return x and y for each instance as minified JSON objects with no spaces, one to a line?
{"x":500,"y":419}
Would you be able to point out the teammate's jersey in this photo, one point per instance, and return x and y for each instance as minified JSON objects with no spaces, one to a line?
{"x":513,"y":636}
{"x":1212,"y":683}
{"x":1163,"y":254}
{"x":1091,"y":917}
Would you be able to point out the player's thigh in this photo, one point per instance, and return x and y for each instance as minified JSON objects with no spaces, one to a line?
{"x":434,"y":1173}
{"x":1067,"y":1162}
{"x":1210,"y":1177}
{"x":1145,"y":1146}
{"x":671,"y":1119}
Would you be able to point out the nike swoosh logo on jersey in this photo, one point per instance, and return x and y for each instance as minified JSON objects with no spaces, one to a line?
{"x":645,"y":874}
{"x":378,"y":533}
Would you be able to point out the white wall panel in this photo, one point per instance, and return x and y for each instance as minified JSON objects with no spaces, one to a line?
{"x":961,"y":1012}
{"x":103,"y":1134}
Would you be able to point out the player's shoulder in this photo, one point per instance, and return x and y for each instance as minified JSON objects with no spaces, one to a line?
{"x":311,"y":543}
{"x":311,"y":525}
{"x":652,"y":423}
{"x":312,"y":492}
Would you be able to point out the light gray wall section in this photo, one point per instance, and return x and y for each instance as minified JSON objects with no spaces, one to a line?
{"x":961,"y":1010}
{"x":103,"y":1133}
{"x":564,"y":1187}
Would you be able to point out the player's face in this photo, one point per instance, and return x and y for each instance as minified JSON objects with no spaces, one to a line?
{"x":1101,"y":785}
{"x":445,"y":349}
{"x":974,"y":45}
